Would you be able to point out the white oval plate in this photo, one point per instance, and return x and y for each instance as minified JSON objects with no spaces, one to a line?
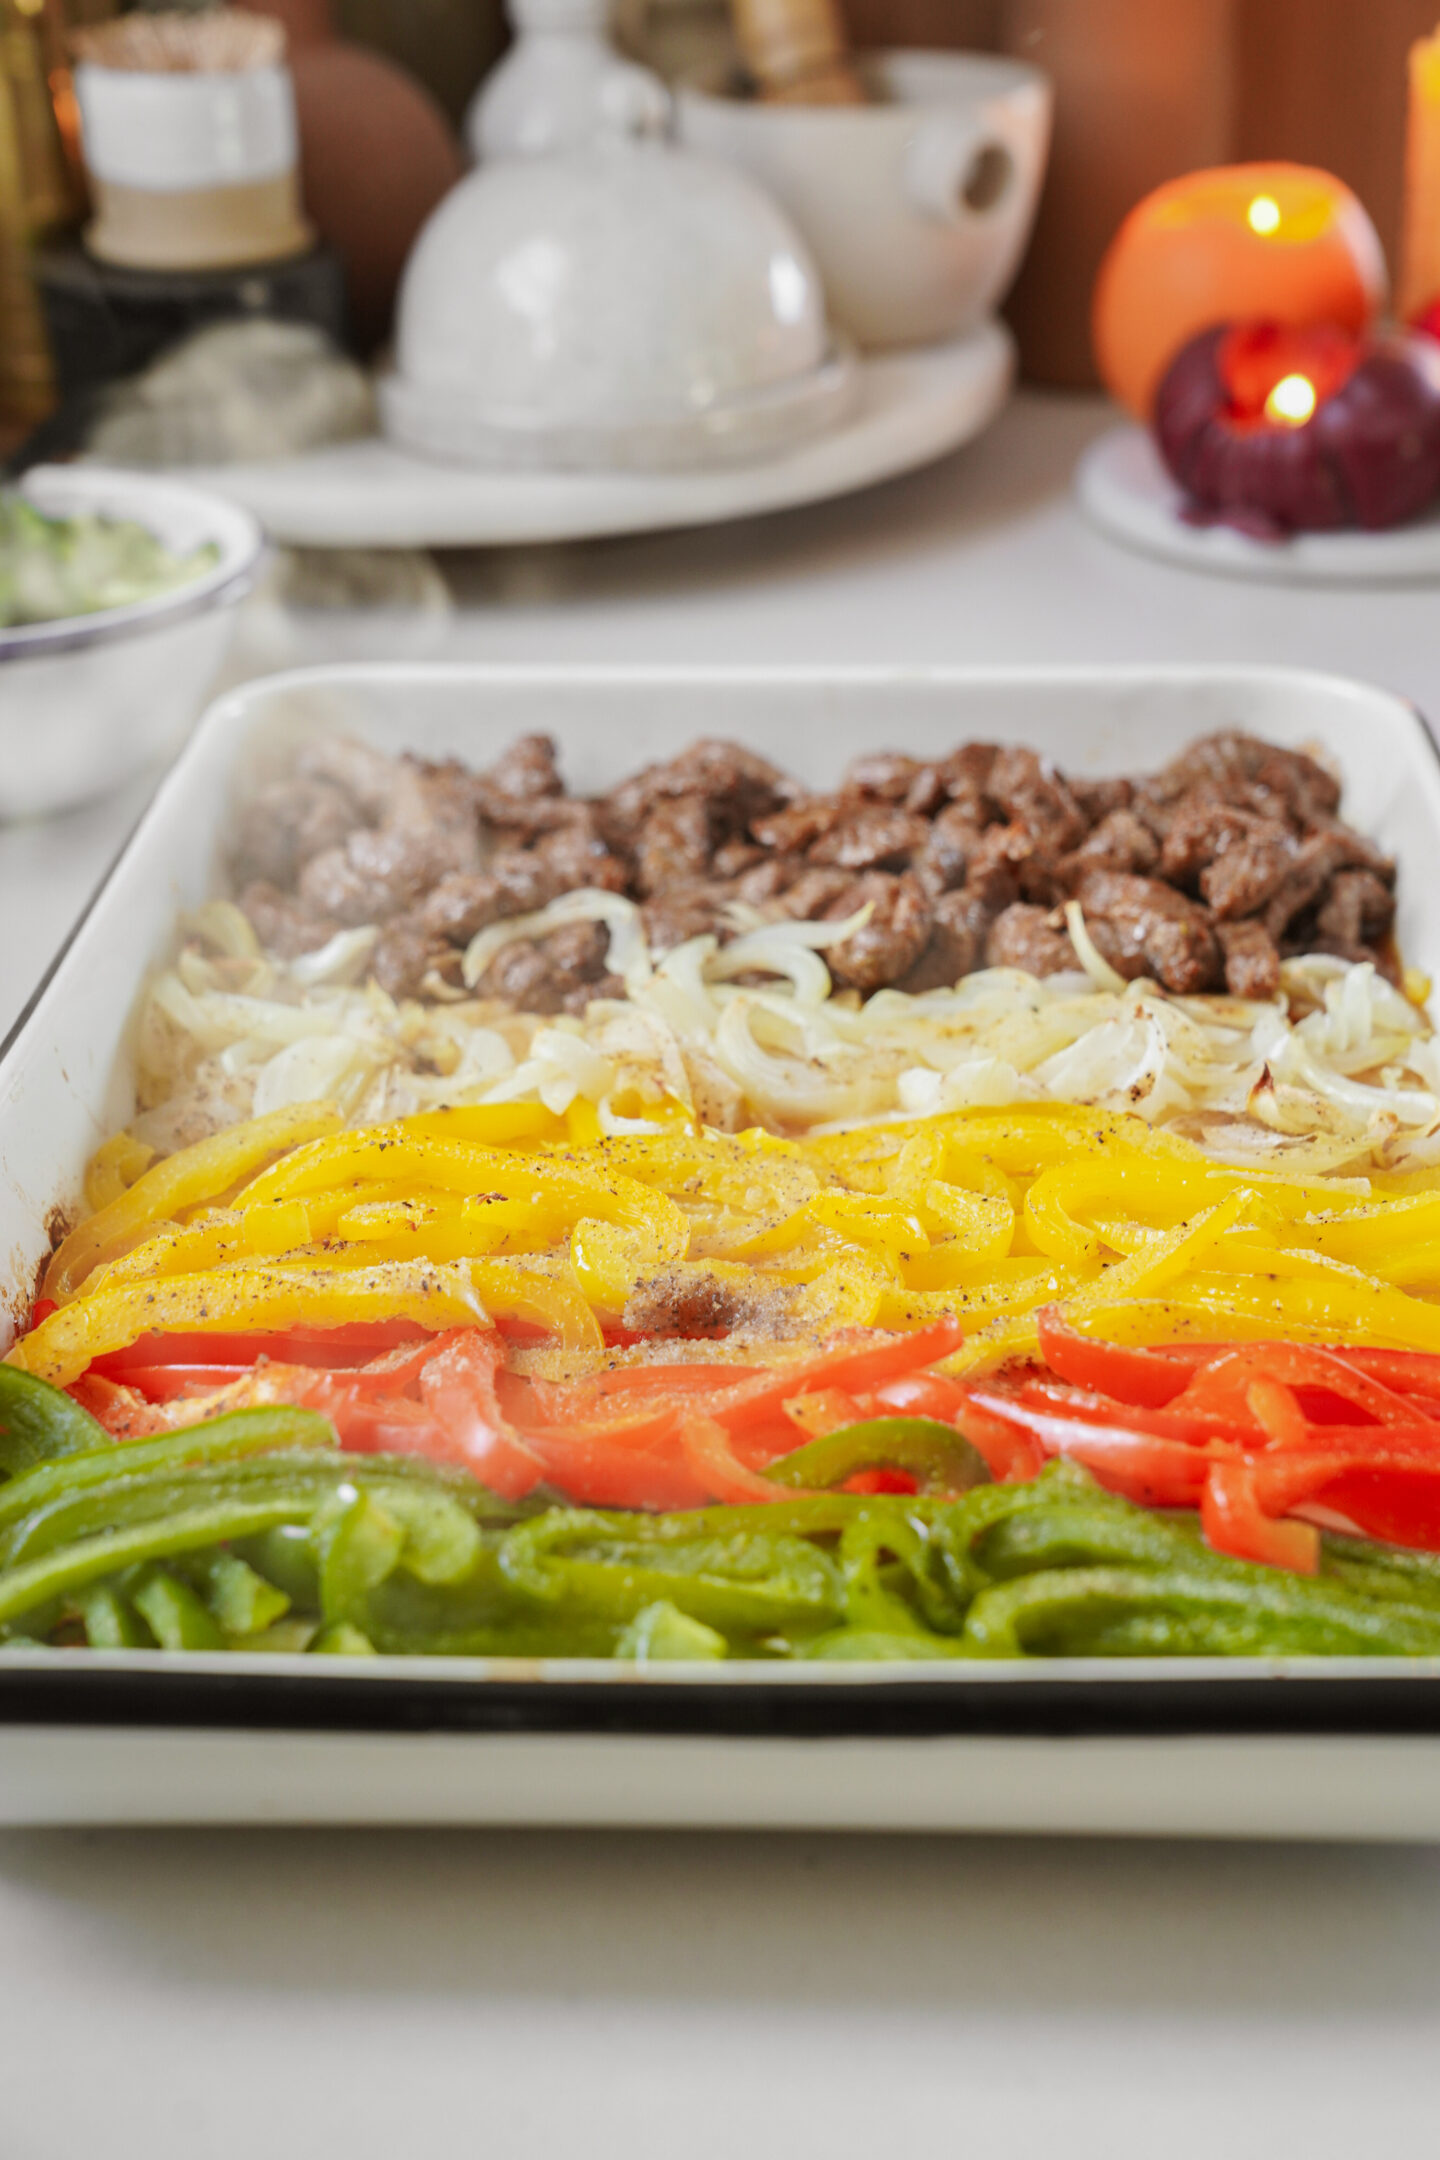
{"x":912,"y":407}
{"x":1125,"y":490}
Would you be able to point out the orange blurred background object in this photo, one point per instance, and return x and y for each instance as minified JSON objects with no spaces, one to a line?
{"x":1283,"y":243}
{"x":1420,"y":244}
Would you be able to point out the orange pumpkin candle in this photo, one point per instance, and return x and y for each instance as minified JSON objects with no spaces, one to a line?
{"x":1282,"y":243}
{"x":1420,"y":258}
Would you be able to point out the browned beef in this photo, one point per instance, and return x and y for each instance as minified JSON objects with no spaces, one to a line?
{"x":1358,"y":911}
{"x":1200,"y":873}
{"x":405,"y":952}
{"x":1144,"y":927}
{"x":738,"y":785}
{"x":1097,"y":798}
{"x":1244,"y":878}
{"x":873,"y":837}
{"x":1027,"y":937}
{"x":1030,"y":792}
{"x":559,"y":973}
{"x":383,"y":870}
{"x":1315,"y":862}
{"x":283,"y":923}
{"x":792,"y":830}
{"x":1120,"y":841}
{"x":517,"y":882}
{"x":683,"y":911}
{"x":288,"y":822}
{"x":886,"y":946}
{"x":950,"y":844}
{"x":1252,"y":965}
{"x":888,"y":775}
{"x":674,"y":844}
{"x":956,"y":945}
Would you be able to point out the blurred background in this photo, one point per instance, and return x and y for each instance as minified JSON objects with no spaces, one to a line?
{"x":1144,"y":91}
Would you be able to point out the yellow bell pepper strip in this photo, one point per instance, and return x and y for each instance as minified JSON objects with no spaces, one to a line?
{"x":184,"y":1180}
{"x":113,"y":1169}
{"x":265,"y":1297}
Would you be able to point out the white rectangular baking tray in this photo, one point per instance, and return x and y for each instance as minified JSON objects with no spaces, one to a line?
{"x":1245,"y":1747}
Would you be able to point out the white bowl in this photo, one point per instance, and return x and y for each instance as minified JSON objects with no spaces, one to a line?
{"x":89,"y":700}
{"x":622,"y":306}
{"x":918,"y":207}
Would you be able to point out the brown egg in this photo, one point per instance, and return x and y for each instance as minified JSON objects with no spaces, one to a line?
{"x":376,"y":155}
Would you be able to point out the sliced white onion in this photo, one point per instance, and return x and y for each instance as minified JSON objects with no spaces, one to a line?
{"x":1091,"y":959}
{"x":628,"y":955}
{"x":341,"y":959}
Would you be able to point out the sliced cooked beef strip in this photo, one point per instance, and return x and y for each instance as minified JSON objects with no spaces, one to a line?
{"x":873,"y":836}
{"x":886,"y":946}
{"x":735,"y":857}
{"x":956,"y":944}
{"x":1358,"y":911}
{"x":1252,"y":965}
{"x":966,"y":773}
{"x":1097,"y":798}
{"x":1244,"y":878}
{"x":559,"y":973}
{"x":674,"y":844}
{"x":527,"y":770}
{"x":738,"y":785}
{"x":283,"y":923}
{"x":1030,"y":792}
{"x":950,"y":845}
{"x":405,"y":952}
{"x":944,"y":848}
{"x":372,"y":780}
{"x":1120,"y":841}
{"x":810,"y":895}
{"x":383,"y":870}
{"x":993,"y":872}
{"x":795,"y":829}
{"x":1315,"y":861}
{"x":1145,"y":928}
{"x":1026,"y":937}
{"x":578,"y":856}
{"x":288,"y":822}
{"x":518,"y":882}
{"x":683,"y":911}
{"x":1255,"y":775}
{"x":888,"y":775}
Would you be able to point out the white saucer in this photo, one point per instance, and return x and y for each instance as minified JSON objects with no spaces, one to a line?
{"x":912,"y":407}
{"x":1125,"y":490}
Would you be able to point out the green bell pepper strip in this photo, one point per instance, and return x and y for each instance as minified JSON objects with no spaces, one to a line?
{"x":358,"y":1544}
{"x":40,"y":1423}
{"x":175,"y":1615}
{"x":442,"y":1537}
{"x":1236,"y":1611}
{"x":941,"y":1459}
{"x":111,"y":1621}
{"x":73,"y":1567}
{"x":342,"y":1640}
{"x":241,"y":1601}
{"x":237,"y":1434}
{"x":660,"y":1634}
{"x":610,"y":1566}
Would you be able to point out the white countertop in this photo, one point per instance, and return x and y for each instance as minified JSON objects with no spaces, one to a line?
{"x":226,"y":1995}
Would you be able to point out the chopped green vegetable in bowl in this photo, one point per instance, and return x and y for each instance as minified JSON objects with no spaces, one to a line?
{"x":54,"y":567}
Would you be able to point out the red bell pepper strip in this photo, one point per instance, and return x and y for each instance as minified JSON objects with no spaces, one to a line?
{"x":1146,"y":1379}
{"x":1218,"y":1389}
{"x":1234,"y":1523}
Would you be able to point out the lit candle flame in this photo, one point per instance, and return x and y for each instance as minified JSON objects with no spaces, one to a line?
{"x":1292,"y":401}
{"x":1264,"y":214}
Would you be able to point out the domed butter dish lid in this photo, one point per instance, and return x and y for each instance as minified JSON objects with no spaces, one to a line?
{"x":621,"y":306}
